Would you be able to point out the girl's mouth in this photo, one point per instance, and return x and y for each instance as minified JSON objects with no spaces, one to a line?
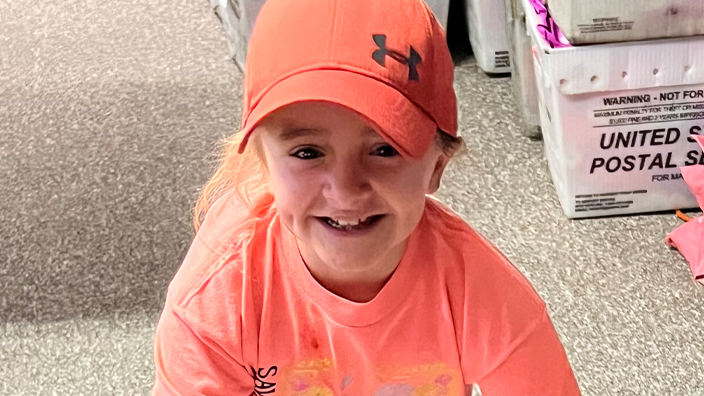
{"x":349,"y":226}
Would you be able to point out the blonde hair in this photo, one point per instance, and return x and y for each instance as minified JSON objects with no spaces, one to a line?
{"x":246,"y":174}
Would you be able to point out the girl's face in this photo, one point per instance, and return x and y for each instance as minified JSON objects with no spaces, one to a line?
{"x":348,"y":196}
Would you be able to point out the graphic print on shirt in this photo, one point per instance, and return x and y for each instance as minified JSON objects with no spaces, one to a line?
{"x":308,"y":378}
{"x":435,"y":379}
{"x":318,"y":377}
{"x":263,"y":384}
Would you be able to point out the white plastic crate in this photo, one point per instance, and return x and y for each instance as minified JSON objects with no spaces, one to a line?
{"x":487,"y":34}
{"x":616,"y":120}
{"x":238,"y":17}
{"x":522,"y":72}
{"x":602,"y":21}
{"x":441,"y":9}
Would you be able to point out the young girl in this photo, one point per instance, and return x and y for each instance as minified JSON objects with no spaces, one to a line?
{"x":321,"y":266}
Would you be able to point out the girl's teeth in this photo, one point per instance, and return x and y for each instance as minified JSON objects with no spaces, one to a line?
{"x":348,"y":223}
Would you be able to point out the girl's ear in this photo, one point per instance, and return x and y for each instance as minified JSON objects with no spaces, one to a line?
{"x":436,"y":177}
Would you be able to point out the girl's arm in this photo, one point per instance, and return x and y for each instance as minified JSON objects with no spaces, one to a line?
{"x":537,"y":366}
{"x":189,"y":361}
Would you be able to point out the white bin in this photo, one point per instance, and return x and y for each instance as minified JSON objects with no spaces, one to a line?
{"x":487,"y":34}
{"x":522,"y":72}
{"x":602,"y":21}
{"x":616,"y":121}
{"x":441,"y":9}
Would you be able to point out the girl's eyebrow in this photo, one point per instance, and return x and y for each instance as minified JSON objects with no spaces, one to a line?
{"x":294,"y":132}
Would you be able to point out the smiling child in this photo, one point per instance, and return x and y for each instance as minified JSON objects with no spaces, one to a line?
{"x":321,"y":263}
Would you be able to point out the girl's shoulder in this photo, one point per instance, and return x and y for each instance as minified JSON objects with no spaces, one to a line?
{"x":464,"y":251}
{"x":215,"y":265}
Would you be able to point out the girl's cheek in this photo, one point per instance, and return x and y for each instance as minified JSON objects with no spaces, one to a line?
{"x":402,"y":182}
{"x":298,"y":180}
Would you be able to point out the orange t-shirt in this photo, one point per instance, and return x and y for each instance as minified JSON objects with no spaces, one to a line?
{"x":244,"y":316}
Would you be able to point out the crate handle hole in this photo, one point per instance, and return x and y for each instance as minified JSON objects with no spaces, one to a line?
{"x":656,"y":71}
{"x":594,"y":78}
{"x":563,"y":81}
{"x":624,"y":74}
{"x":687,"y":68}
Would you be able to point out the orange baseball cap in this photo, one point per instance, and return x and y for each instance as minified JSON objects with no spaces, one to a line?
{"x":385,"y":59}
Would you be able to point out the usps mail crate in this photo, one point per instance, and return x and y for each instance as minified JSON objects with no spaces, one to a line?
{"x":522,"y":73}
{"x":487,"y":34}
{"x":603,"y":21}
{"x":441,"y":9}
{"x":617,"y":120}
{"x":238,"y":17}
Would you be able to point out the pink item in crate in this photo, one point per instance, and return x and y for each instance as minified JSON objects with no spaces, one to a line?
{"x":689,"y":237}
{"x":547,"y":26}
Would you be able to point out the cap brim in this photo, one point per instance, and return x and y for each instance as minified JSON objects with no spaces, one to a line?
{"x":403,"y":124}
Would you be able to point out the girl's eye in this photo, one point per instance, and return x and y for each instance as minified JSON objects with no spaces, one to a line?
{"x":307,"y":153}
{"x":385,"y":151}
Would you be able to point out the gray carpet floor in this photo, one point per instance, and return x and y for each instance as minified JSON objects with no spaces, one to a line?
{"x":109,"y":112}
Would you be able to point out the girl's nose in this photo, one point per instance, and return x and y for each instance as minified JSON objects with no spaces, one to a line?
{"x":348,"y":183}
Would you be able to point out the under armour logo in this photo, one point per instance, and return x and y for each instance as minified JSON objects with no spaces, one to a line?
{"x":380,"y":56}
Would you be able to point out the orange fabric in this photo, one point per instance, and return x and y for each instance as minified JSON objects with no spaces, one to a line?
{"x":398,"y":68}
{"x":244,"y":316}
